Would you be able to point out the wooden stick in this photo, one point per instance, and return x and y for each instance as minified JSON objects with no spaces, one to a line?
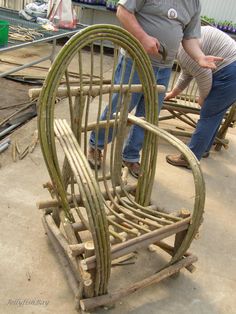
{"x":170,"y":250}
{"x":79,"y":226}
{"x":92,"y":303}
{"x":95,"y":90}
{"x":122,"y":259}
{"x":79,"y":273}
{"x":139,"y":242}
{"x":76,"y":286}
{"x":70,"y":234}
{"x":89,"y":286}
{"x":14,"y":151}
{"x":78,"y":249}
{"x":55,"y":203}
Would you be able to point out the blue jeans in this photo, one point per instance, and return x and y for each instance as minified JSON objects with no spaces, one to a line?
{"x":220,"y":98}
{"x":135,"y":138}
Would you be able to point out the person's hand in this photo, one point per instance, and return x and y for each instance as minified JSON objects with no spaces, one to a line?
{"x":209,"y":61}
{"x":151,"y":45}
{"x":168,"y":96}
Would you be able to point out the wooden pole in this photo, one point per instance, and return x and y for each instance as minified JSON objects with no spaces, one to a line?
{"x":78,"y":249}
{"x":92,"y":303}
{"x":95,"y":90}
{"x":139,"y":242}
{"x":54,"y":203}
{"x":89,"y":251}
{"x":76,"y":286}
{"x":170,"y":250}
{"x":52,"y":229}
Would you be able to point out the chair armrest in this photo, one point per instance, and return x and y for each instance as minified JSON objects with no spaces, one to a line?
{"x":199,"y":183}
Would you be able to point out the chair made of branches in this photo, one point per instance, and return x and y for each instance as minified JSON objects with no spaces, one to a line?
{"x":99,"y":217}
{"x":186,"y":109}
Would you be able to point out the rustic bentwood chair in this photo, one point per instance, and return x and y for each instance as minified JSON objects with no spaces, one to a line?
{"x":99,"y":217}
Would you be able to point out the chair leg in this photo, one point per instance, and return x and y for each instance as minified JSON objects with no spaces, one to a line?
{"x":179,"y":237}
{"x":178,"y":240}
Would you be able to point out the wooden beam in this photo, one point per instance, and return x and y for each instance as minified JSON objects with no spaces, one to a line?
{"x":95,"y":90}
{"x":92,"y":303}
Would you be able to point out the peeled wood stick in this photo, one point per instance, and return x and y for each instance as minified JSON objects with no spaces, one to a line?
{"x":24,"y":152}
{"x":95,"y":90}
{"x":116,"y":235}
{"x":34,"y":141}
{"x":122,"y":259}
{"x":14,"y":151}
{"x":89,"y":286}
{"x":59,"y":237}
{"x":170,"y":250}
{"x":92,"y":303}
{"x":139,"y":242}
{"x":80,"y":226}
{"x":76,"y":286}
{"x":70,"y":234}
{"x":79,"y":248}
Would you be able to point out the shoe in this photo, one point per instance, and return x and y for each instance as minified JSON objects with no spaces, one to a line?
{"x":206,"y":154}
{"x":177,"y":160}
{"x":134,"y":168}
{"x":94,"y":158}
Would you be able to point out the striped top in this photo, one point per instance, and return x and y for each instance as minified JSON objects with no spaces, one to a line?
{"x":213,"y":42}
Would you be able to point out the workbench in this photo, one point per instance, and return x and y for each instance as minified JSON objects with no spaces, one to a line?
{"x":47,"y":36}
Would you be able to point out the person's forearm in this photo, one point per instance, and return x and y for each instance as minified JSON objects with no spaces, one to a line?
{"x":182,"y":82}
{"x":130,"y":23}
{"x":192,"y":47}
{"x":175,"y":92}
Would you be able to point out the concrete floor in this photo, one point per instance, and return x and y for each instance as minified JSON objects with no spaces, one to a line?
{"x":30,"y":271}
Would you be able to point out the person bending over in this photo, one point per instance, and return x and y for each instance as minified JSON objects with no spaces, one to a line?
{"x":217,"y":89}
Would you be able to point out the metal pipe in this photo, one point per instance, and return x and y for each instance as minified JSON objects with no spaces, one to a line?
{"x":6,"y":140}
{"x":4,"y":147}
{"x":24,"y":66}
{"x":9,"y":129}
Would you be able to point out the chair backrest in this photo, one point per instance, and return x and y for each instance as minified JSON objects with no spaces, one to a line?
{"x":81,"y":73}
{"x":187,"y":97}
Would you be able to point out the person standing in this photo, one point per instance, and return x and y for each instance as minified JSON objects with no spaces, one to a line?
{"x":152,"y":22}
{"x":217,"y":89}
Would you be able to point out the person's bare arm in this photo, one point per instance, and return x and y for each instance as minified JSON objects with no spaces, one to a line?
{"x":192,"y":47}
{"x":183,"y":81}
{"x":130,"y":23}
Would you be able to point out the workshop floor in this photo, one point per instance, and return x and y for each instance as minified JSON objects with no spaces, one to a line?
{"x":30,"y":271}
